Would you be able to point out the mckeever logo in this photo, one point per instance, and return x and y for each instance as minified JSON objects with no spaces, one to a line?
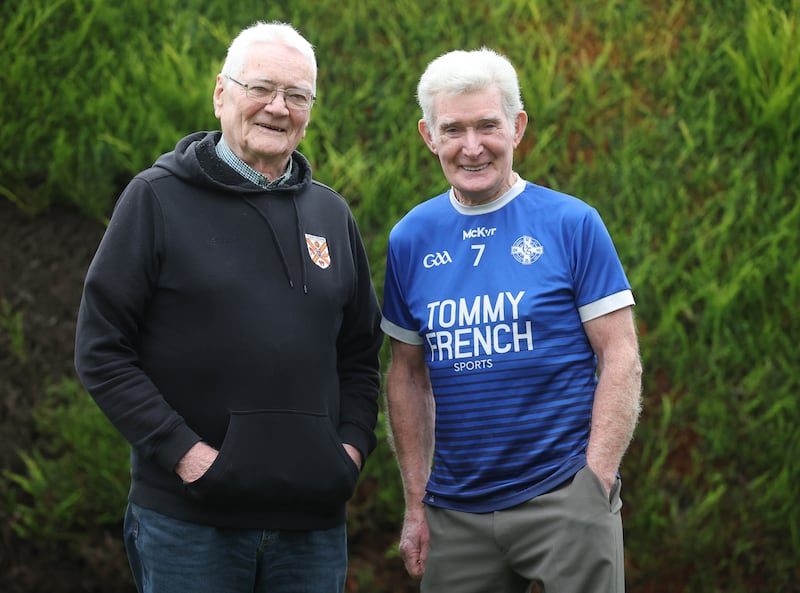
{"x":478,"y":233}
{"x":436,"y":259}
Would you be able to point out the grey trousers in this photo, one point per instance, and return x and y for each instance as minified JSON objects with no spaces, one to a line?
{"x":565,"y":541}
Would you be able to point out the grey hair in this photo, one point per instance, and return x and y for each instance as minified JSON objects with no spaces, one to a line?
{"x":261,"y":32}
{"x":460,"y":71}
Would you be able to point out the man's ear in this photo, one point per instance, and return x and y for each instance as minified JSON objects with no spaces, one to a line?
{"x":217,"y":97}
{"x":519,"y":127}
{"x":425,"y":132}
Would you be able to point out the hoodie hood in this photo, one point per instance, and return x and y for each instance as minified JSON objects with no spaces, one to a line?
{"x":195,"y":161}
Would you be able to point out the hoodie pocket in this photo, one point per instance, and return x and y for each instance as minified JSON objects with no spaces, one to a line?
{"x":278,"y":457}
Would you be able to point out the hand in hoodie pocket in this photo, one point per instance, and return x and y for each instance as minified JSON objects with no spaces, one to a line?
{"x":256,"y":467}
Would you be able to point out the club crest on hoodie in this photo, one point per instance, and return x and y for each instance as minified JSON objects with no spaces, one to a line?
{"x":318,"y":250}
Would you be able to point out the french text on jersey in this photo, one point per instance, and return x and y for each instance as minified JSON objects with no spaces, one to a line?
{"x":459,"y":329}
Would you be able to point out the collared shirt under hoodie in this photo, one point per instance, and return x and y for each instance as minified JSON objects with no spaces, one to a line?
{"x":191,"y":328}
{"x":237,"y":164}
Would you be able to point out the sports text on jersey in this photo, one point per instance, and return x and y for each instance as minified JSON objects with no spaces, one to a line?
{"x":487,"y":325}
{"x":478,"y":233}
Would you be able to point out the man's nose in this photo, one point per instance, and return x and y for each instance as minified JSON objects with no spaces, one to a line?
{"x":275,"y":103}
{"x":473,"y":145}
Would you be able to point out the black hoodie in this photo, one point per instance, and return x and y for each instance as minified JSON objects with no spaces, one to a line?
{"x":212,"y":311}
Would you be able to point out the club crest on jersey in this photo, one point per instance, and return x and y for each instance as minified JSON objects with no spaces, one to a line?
{"x":526,"y":250}
{"x":318,"y":250}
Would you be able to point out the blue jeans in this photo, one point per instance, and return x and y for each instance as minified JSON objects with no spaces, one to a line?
{"x":168,"y":556}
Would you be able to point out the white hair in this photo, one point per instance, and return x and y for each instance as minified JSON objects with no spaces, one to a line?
{"x":261,"y":32}
{"x":460,"y":71}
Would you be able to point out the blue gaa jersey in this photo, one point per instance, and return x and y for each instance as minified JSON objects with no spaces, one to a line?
{"x":497,"y":294}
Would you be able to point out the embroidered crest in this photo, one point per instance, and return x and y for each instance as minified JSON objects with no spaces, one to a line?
{"x":526,"y":250}
{"x":318,"y":250}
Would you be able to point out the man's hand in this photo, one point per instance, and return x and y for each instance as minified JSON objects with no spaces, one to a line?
{"x":608,"y":480}
{"x":354,"y":454}
{"x":414,"y":542}
{"x":196,"y":462}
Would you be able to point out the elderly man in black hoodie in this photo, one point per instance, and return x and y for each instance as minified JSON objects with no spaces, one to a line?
{"x":229,"y":330}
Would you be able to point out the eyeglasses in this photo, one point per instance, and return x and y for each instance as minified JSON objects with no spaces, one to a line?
{"x":265,"y":92}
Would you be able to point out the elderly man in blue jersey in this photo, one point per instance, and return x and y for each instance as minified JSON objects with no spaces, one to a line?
{"x":515,"y":380}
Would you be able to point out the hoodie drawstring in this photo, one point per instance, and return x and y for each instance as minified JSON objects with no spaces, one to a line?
{"x":301,"y":244}
{"x":278,"y":243}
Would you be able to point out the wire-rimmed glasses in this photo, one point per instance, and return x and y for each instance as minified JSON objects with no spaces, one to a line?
{"x":265,"y":92}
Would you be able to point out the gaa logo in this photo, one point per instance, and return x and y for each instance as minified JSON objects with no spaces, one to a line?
{"x":433,"y":260}
{"x":526,"y":250}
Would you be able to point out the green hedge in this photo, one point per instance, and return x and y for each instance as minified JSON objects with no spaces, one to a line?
{"x":679,"y":121}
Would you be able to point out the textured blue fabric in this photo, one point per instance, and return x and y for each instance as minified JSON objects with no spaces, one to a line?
{"x":497,"y":295}
{"x":167,"y":555}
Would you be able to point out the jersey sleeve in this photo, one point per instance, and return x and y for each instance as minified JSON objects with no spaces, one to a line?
{"x":601,"y":285}
{"x":397,"y":321}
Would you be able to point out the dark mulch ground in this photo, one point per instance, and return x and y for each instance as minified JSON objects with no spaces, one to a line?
{"x":42,"y":264}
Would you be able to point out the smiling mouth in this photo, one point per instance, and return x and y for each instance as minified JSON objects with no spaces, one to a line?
{"x":474,"y":169}
{"x":271,"y":128}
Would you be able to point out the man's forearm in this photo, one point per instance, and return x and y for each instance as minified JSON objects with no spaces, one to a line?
{"x":411,"y":419}
{"x":615,"y":414}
